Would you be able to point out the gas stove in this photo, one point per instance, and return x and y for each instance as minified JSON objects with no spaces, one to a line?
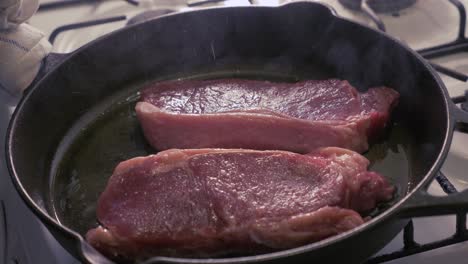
{"x":436,"y":28}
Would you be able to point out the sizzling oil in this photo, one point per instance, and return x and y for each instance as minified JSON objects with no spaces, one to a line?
{"x":110,"y":133}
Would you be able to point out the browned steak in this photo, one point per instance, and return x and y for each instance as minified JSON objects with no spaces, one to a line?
{"x":236,"y":113}
{"x":206,"y":202}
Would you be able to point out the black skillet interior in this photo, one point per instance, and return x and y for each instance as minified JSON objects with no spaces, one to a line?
{"x":74,"y":127}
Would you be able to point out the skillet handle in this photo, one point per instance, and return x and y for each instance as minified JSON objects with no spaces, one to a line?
{"x":421,"y":203}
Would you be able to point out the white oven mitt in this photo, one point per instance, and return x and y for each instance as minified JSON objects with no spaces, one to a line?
{"x":15,"y":12}
{"x":22,"y":47}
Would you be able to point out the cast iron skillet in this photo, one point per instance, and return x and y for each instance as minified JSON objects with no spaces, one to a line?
{"x":77,"y":123}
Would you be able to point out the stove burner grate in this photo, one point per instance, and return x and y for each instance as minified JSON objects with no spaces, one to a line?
{"x":379,"y":6}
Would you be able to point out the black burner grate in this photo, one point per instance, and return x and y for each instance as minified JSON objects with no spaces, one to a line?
{"x":411,"y":247}
{"x":457,"y":46}
{"x":63,"y":3}
{"x":379,"y":6}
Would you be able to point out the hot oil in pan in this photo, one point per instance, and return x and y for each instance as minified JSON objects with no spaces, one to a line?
{"x":90,"y":151}
{"x":89,"y":160}
{"x":389,"y":157}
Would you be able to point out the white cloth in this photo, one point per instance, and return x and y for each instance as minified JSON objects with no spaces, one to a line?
{"x":22,"y":47}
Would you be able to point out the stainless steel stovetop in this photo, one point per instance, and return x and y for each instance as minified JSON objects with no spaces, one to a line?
{"x":425,"y":24}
